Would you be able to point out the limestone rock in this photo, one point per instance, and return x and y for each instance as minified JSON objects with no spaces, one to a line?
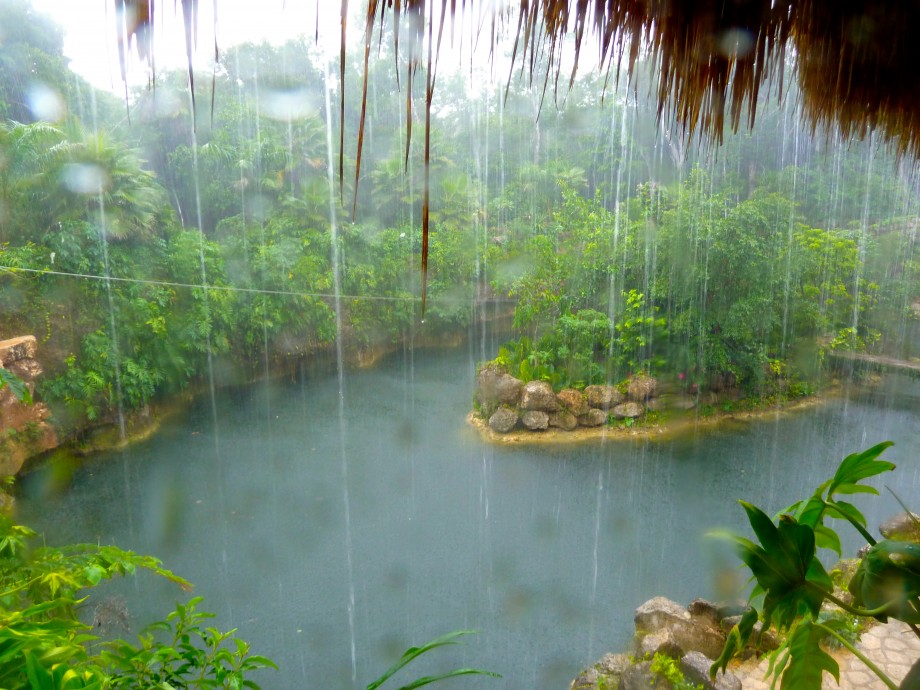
{"x":628,"y":410}
{"x":661,"y":642}
{"x":593,"y":417}
{"x":538,"y":395}
{"x":641,"y":388}
{"x":586,"y":680}
{"x":705,"y":611}
{"x":509,"y":390}
{"x":563,"y":420}
{"x":640,"y":677}
{"x":495,"y":386}
{"x":659,"y":613}
{"x":603,"y":397}
{"x":902,"y":527}
{"x":7,"y":398}
{"x":503,"y":420}
{"x":572,"y":400}
{"x":535,"y":420}
{"x":26,"y":369}
{"x":613,"y":664}
{"x":605,"y":674}
{"x":695,"y":667}
{"x":688,"y":633}
{"x":698,"y":637}
{"x":15,"y":349}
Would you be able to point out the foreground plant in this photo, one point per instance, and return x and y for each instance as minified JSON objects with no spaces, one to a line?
{"x":414,"y":652}
{"x":792,"y":584}
{"x":16,"y":384}
{"x":44,"y":645}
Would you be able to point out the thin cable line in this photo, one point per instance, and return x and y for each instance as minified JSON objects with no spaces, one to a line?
{"x":229,"y":288}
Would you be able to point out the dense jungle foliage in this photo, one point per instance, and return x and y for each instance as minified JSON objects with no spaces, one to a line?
{"x":152,"y":251}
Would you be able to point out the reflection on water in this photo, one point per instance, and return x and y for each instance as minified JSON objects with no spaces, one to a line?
{"x":545,"y":550}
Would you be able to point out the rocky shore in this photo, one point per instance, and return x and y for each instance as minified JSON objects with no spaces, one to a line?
{"x":24,"y":429}
{"x":671,"y":638}
{"x":510,"y":411}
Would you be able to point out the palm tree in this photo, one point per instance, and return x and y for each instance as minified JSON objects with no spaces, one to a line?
{"x":25,"y":151}
{"x":90,"y":178}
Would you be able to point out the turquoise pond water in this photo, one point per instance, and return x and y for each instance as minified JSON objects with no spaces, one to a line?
{"x":334,"y":542}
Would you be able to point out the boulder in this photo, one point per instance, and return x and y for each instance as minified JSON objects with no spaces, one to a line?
{"x":15,"y":349}
{"x":640,"y":677}
{"x":699,"y":637}
{"x":604,"y":674}
{"x":603,"y":397}
{"x":695,"y":667}
{"x":26,"y":369}
{"x":705,"y":611}
{"x":593,"y":417}
{"x":902,"y":527}
{"x":495,"y":386}
{"x":509,"y":390}
{"x":688,"y":633}
{"x":589,"y":679}
{"x":613,"y":663}
{"x":659,"y":613}
{"x":572,"y":400}
{"x":7,"y":398}
{"x":628,"y":410}
{"x":563,"y":420}
{"x":503,"y":420}
{"x":535,"y":420}
{"x":641,"y":388}
{"x":538,"y":395}
{"x":661,"y":642}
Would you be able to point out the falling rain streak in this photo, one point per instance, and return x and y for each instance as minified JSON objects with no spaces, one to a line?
{"x":322,"y":487}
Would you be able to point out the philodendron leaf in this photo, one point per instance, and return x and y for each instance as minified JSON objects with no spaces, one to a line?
{"x":826,"y":538}
{"x":809,"y":512}
{"x":737,"y":639}
{"x":888,"y":578}
{"x":846,"y":511}
{"x":16,"y":384}
{"x":857,"y":467}
{"x":784,"y":566}
{"x":807,"y":661}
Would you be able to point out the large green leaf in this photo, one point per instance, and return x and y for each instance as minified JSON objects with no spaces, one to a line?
{"x":846,"y":511}
{"x":807,"y":661}
{"x":16,"y":384}
{"x":785,"y":567}
{"x":857,"y":467}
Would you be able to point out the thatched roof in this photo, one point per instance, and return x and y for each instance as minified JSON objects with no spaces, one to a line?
{"x":857,"y":60}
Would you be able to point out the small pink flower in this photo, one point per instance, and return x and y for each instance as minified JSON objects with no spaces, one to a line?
{"x":681,"y":376}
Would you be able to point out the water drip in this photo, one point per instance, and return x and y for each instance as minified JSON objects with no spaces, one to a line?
{"x":340,"y":373}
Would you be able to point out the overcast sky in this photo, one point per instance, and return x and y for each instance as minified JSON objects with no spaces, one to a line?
{"x":90,"y":34}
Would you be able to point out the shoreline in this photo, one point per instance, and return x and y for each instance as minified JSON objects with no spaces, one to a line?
{"x":685,"y":423}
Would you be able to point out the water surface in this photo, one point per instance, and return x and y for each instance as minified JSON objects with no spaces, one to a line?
{"x":546,"y":550}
